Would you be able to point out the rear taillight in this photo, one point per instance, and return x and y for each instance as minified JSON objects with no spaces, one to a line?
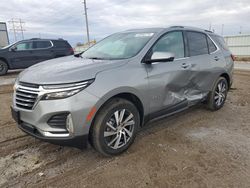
{"x":71,"y":50}
{"x":233,"y":57}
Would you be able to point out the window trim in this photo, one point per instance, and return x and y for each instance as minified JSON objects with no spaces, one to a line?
{"x":184,"y":44}
{"x":188,"y":42}
{"x":32,"y":41}
{"x":217,"y":47}
{"x":42,"y":41}
{"x":21,"y":43}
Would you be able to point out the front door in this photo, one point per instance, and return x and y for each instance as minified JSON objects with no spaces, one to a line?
{"x":168,"y":81}
{"x":22,"y":55}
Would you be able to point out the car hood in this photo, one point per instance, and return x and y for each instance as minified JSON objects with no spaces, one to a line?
{"x":2,"y":50}
{"x":66,"y":70}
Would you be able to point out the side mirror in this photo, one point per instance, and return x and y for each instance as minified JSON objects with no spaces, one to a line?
{"x":13,"y":49}
{"x":160,"y":57}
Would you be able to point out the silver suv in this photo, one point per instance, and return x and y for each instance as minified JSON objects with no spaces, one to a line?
{"x":106,"y":94}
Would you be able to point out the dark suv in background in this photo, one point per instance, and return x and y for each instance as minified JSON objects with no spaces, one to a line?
{"x":25,"y":53}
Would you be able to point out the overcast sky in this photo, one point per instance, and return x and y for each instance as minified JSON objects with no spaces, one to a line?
{"x":65,"y":19}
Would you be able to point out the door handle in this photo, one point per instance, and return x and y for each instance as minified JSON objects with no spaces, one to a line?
{"x":185,"y":65}
{"x":216,"y":58}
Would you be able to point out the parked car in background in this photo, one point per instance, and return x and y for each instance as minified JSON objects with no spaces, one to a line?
{"x":109,"y":92}
{"x":26,"y":53}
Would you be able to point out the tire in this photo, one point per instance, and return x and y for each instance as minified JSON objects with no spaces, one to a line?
{"x":218,"y":95}
{"x":109,"y":137}
{"x":3,"y":68}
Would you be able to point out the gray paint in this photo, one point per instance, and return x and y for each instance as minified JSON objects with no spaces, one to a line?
{"x":158,"y":85}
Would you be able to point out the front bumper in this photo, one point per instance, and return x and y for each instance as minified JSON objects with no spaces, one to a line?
{"x":35,"y":121}
{"x":73,"y":141}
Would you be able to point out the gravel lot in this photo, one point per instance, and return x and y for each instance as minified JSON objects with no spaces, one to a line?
{"x":196,"y":148}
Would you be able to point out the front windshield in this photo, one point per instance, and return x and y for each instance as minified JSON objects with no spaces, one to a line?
{"x":119,"y":46}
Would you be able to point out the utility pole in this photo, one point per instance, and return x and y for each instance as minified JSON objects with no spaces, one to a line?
{"x":210,"y":26}
{"x":13,"y":26}
{"x":17,"y":26}
{"x":86,"y":20}
{"x":21,"y":27}
{"x":222,"y":29}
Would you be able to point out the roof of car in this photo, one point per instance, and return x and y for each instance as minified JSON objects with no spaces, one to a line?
{"x":46,"y":39}
{"x":156,"y":30}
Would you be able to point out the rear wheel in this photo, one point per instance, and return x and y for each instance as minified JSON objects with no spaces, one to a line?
{"x":115,"y":127}
{"x":218,"y":95}
{"x":3,"y":68}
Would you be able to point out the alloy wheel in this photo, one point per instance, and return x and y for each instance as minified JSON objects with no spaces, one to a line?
{"x":220,"y":93}
{"x":119,"y":129}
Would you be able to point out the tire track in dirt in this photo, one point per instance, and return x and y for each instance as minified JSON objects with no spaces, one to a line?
{"x":196,"y":148}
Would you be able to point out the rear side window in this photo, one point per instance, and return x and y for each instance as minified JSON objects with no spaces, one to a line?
{"x":197,"y":43}
{"x":41,"y":44}
{"x":222,"y":42}
{"x":212,"y":48}
{"x":61,"y":44}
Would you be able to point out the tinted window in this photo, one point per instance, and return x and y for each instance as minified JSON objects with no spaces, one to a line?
{"x":197,"y":43}
{"x":222,"y":43}
{"x":41,"y":44}
{"x":24,"y":46}
{"x":211,"y":45}
{"x":171,"y":42}
{"x":61,"y":44}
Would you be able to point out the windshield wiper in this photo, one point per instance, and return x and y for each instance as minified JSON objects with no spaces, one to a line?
{"x":79,"y":54}
{"x":96,"y":58}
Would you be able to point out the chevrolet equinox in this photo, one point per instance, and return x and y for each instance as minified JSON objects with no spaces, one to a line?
{"x":107,"y":93}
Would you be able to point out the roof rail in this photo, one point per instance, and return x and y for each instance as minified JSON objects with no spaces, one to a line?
{"x":177,"y":26}
{"x":208,"y":31}
{"x":34,"y":38}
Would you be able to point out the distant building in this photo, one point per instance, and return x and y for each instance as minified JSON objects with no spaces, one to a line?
{"x":4,"y":38}
{"x":239,"y":44}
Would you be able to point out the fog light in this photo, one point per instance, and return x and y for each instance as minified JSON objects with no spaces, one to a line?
{"x":69,"y":124}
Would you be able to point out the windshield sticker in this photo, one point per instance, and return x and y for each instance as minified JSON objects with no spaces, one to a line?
{"x":144,"y":34}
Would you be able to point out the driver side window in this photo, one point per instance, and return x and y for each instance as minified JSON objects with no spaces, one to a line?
{"x":171,"y":42}
{"x":24,"y":46}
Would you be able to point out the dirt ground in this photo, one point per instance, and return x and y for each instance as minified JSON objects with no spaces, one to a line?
{"x":196,"y":148}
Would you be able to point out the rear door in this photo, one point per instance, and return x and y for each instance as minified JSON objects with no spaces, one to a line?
{"x":22,"y":56}
{"x":202,"y":68}
{"x":168,"y":81}
{"x":42,"y":50}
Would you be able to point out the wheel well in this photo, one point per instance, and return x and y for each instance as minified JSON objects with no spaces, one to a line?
{"x":3,"y":59}
{"x":130,"y":97}
{"x":226,"y":76}
{"x":135,"y":100}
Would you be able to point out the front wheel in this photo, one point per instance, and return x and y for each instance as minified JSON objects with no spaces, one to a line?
{"x":3,"y":68}
{"x":115,"y":127}
{"x":218,"y":95}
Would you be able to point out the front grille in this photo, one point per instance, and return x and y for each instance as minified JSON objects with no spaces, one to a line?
{"x":26,"y":96}
{"x":58,"y":121}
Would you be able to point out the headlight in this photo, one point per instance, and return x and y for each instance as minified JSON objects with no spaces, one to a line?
{"x":16,"y":83}
{"x":62,"y":91}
